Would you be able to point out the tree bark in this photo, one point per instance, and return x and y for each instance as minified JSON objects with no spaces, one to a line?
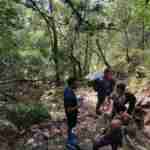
{"x":55,"y":51}
{"x":86,"y":59}
{"x":127,"y":49}
{"x":55,"y":44}
{"x":50,"y":22}
{"x":143,"y":34}
{"x":102,"y":54}
{"x":77,"y":67}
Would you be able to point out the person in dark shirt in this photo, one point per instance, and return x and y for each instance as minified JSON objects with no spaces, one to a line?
{"x":121,"y":98}
{"x":113,"y":136}
{"x":121,"y":126}
{"x":121,"y":118}
{"x":104,"y":88}
{"x":71,"y":104}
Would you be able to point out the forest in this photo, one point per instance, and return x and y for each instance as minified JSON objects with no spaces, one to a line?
{"x":44,"y":42}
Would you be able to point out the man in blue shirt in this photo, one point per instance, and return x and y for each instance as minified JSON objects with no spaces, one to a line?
{"x":71,"y":104}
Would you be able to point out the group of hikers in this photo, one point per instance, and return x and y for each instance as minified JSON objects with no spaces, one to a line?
{"x":107,"y":89}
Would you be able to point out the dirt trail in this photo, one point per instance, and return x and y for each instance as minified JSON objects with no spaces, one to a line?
{"x":89,"y":125}
{"x":54,"y":132}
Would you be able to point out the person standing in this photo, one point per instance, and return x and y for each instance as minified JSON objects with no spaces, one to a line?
{"x":71,"y":104}
{"x":104,"y":88}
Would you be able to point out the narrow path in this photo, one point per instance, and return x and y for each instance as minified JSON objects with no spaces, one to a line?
{"x":88,"y":127}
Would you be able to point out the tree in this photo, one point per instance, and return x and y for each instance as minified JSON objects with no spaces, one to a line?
{"x":10,"y":22}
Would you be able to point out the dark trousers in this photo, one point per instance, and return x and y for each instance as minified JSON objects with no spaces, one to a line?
{"x":100,"y":101}
{"x":105,"y":141}
{"x":71,"y":120}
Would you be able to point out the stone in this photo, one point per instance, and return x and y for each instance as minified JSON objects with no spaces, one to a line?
{"x":8,"y":129}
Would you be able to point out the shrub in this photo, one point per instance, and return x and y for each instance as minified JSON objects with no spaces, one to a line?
{"x":24,"y":115}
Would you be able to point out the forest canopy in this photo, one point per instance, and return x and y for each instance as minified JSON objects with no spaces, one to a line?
{"x":57,"y":38}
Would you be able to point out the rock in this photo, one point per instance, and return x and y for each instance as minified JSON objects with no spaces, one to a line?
{"x":147,"y":118}
{"x":139,"y":147}
{"x":8,"y":134}
{"x":146,"y":101}
{"x":8,"y":129}
{"x":147,"y":131}
{"x":46,"y":133}
{"x":144,"y":105}
{"x":39,"y":139}
{"x":30,"y":141}
{"x":4,"y":145}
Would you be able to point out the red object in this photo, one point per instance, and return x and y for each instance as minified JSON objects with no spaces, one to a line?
{"x":116,"y":123}
{"x":109,"y":76}
{"x":125,"y":116}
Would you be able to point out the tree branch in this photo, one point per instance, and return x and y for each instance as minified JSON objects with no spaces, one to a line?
{"x":146,"y":2}
{"x":102,"y":54}
{"x":43,"y":14}
{"x":82,"y":20}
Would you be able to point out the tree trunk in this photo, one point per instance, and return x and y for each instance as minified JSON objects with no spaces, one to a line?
{"x":55,"y":51}
{"x":127,"y":49}
{"x":76,"y":64}
{"x":102,"y":54}
{"x":86,"y":59}
{"x":143,"y":34}
{"x":71,"y":59}
{"x":50,"y":22}
{"x":55,"y":44}
{"x":77,"y":68}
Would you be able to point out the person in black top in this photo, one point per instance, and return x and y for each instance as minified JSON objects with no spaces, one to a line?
{"x":121,"y":117}
{"x":121,"y":98}
{"x":104,"y":88}
{"x":71,"y":104}
{"x":112,"y":136}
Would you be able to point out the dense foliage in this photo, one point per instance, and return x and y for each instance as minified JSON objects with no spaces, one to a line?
{"x":52,"y":39}
{"x":23,"y":116}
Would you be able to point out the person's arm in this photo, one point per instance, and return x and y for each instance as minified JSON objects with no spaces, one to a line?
{"x":96,"y":84}
{"x":79,"y":103}
{"x":113,"y":83}
{"x":108,"y":90}
{"x":131,"y":99}
{"x":71,"y":106}
{"x":72,"y":109}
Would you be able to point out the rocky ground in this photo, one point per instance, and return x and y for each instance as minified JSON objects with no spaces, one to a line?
{"x":52,"y":134}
